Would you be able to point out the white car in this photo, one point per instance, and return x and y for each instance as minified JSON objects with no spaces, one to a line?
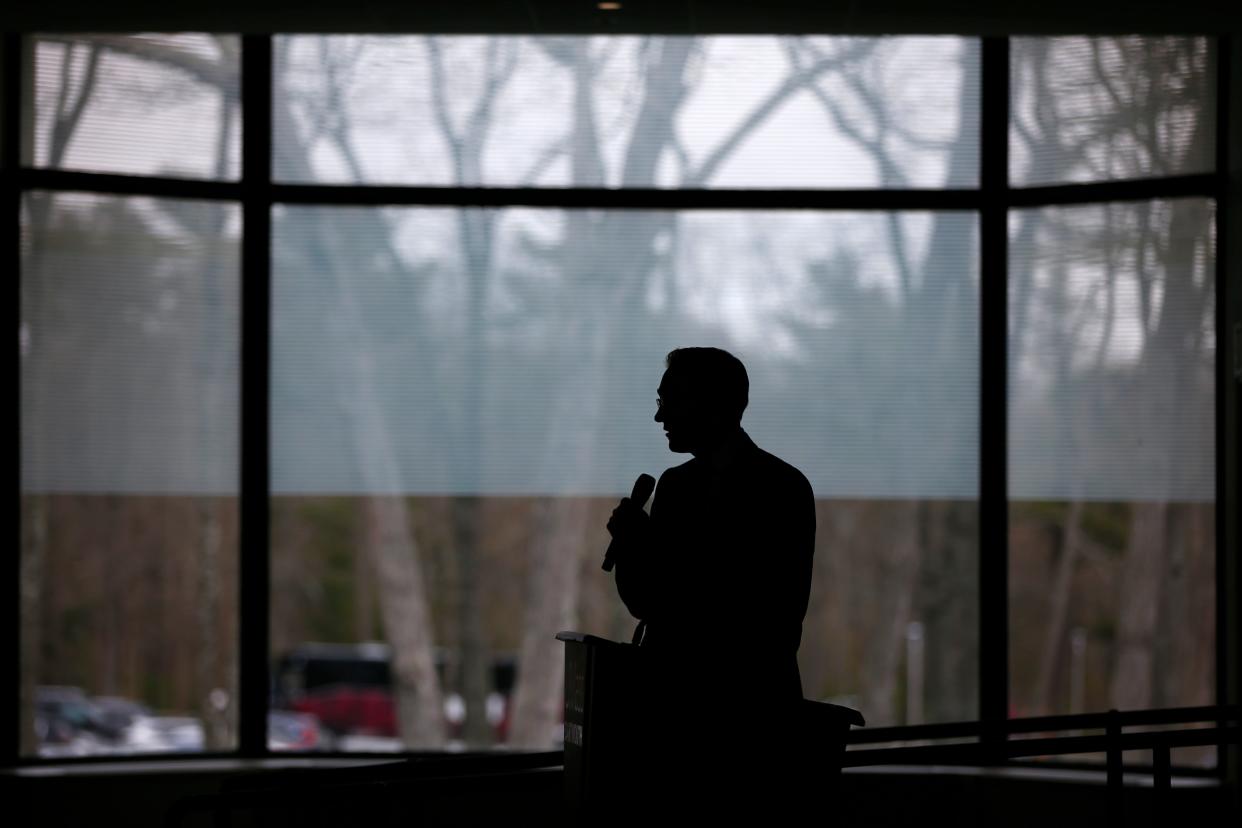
{"x":164,"y":734}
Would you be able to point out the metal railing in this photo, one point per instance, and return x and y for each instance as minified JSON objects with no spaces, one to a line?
{"x":994,"y":745}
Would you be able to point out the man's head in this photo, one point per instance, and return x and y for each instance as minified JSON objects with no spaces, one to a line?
{"x":701,"y":398}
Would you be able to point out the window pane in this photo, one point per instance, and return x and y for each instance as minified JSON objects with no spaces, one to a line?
{"x":460,"y":396}
{"x":767,"y":112}
{"x":1112,"y":457}
{"x":149,"y":104}
{"x":1093,"y":109}
{"x":128,"y":350}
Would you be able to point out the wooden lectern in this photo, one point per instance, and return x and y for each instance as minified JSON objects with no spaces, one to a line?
{"x":607,"y":733}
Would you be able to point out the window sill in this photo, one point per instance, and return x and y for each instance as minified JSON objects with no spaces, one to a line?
{"x":125,"y":767}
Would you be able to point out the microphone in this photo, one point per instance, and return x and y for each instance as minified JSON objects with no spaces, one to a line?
{"x":643,"y":487}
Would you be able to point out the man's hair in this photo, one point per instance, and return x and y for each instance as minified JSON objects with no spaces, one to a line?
{"x":715,"y":376}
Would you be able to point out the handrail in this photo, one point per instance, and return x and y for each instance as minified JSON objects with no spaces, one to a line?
{"x":1038,"y":724}
{"x":973,"y":752}
{"x":1113,"y":743}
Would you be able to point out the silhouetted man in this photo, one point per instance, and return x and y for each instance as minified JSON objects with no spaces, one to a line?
{"x":719,"y":575}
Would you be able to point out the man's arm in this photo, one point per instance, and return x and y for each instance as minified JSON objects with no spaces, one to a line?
{"x":803,"y":545}
{"x":638,"y":561}
{"x":773,"y":576}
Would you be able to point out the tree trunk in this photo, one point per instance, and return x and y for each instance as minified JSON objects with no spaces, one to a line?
{"x":1058,"y":609}
{"x":390,"y":545}
{"x":1140,"y":591}
{"x":407,"y":622}
{"x":936,"y":575}
{"x":34,"y":553}
{"x":1173,"y":613}
{"x":390,"y":542}
{"x":834,"y":591}
{"x":473,"y":676}
{"x":947,"y":575}
{"x":626,"y":242}
{"x":900,"y":577}
{"x":551,"y":607}
{"x":208,"y":601}
{"x":1171,"y":351}
{"x":364,"y":598}
{"x":210,"y":354}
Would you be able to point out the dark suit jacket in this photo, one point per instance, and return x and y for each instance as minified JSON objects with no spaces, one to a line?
{"x":724,"y":578}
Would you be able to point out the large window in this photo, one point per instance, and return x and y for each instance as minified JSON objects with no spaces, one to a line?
{"x":475,"y":252}
{"x":1112,"y":382}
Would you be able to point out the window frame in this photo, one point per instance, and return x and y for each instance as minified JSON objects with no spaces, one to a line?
{"x":991,"y":199}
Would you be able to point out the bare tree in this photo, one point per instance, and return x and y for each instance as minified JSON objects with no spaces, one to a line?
{"x":390,"y":542}
{"x":468,"y":143}
{"x":630,"y":242}
{"x":937,"y":300}
{"x":67,"y":114}
{"x":1146,"y":88}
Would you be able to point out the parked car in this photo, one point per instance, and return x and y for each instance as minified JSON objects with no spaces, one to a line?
{"x":295,"y":731}
{"x":119,"y":712}
{"x":165,"y":734}
{"x":349,"y":689}
{"x":346,"y":708}
{"x":65,"y":713}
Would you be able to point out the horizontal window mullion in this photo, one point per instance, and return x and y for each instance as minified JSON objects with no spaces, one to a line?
{"x":123,"y":184}
{"x":628,"y":199}
{"x":1198,"y":184}
{"x":1203,"y":184}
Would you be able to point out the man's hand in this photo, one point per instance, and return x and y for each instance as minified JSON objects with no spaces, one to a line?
{"x":628,"y":526}
{"x":628,"y":521}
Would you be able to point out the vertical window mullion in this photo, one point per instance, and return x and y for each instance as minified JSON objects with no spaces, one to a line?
{"x":10,"y":627}
{"x":1228,"y":464}
{"x":993,"y":409}
{"x":254,"y":566}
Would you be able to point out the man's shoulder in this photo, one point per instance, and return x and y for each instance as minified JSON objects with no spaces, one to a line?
{"x":777,"y":472}
{"x":678,"y":473}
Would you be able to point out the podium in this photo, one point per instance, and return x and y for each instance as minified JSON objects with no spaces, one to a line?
{"x":610,"y":739}
{"x":602,"y":686}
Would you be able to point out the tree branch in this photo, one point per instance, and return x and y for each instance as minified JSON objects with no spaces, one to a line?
{"x":762,"y":110}
{"x":889,"y":169}
{"x":439,"y":106}
{"x":216,"y":73}
{"x":66,"y":122}
{"x":498,"y":72}
{"x":547,"y":156}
